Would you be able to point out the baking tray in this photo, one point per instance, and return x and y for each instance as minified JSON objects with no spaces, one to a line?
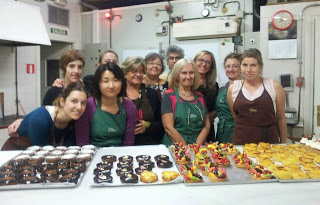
{"x":235,"y":175}
{"x":134,"y":151}
{"x":46,"y":185}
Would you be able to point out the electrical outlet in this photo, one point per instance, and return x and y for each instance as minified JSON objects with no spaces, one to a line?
{"x":252,"y":41}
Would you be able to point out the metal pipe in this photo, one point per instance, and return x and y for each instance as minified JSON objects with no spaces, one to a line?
{"x":16,"y":79}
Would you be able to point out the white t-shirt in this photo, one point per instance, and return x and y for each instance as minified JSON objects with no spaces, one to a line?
{"x":268,"y":84}
{"x":51,"y":111}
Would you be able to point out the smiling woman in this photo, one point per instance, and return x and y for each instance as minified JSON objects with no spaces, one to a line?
{"x":51,"y":124}
{"x":149,"y":129}
{"x":184,"y":114}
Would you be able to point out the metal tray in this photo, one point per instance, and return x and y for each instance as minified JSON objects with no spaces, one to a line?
{"x":134,"y":151}
{"x":46,"y":185}
{"x":235,"y":175}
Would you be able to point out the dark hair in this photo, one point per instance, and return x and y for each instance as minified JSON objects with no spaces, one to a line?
{"x":152,"y":56}
{"x":232,"y":56}
{"x":117,"y":72}
{"x":66,"y":92}
{"x":69,"y":56}
{"x":107,"y":51}
{"x":174,"y":49}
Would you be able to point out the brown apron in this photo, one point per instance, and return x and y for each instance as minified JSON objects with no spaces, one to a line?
{"x":255,"y":120}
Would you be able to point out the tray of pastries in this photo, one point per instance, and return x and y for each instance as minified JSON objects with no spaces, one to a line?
{"x":214,"y":164}
{"x":289,"y":163}
{"x":46,"y":167}
{"x":136,"y":165}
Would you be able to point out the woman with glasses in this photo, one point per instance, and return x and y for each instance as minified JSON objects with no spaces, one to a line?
{"x":184,"y":114}
{"x":207,"y":69}
{"x":153,"y":70}
{"x":149,"y":129}
{"x":257,"y":104}
{"x":226,"y":123}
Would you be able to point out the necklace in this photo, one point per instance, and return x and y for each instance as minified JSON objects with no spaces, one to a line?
{"x":185,"y":94}
{"x":135,"y":99}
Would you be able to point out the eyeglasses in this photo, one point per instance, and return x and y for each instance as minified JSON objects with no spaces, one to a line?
{"x":155,"y":64}
{"x":201,"y":60}
{"x":141,"y":72}
{"x":232,"y":66}
{"x":174,"y":58}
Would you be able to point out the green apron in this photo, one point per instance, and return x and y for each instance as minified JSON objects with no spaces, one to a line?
{"x":226,"y":123}
{"x":188,"y":120}
{"x":107,"y":129}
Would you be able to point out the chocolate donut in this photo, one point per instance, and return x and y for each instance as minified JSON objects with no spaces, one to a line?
{"x":141,"y":169}
{"x":123,"y":171}
{"x":141,"y":158}
{"x":161,"y":157}
{"x":51,"y":178}
{"x":126,"y":158}
{"x":106,"y":172}
{"x":108,"y":158}
{"x":125,"y":164}
{"x":164,"y":163}
{"x":146,"y":164}
{"x":83,"y":158}
{"x":103,"y":166}
{"x":36,"y":160}
{"x":70,"y":178}
{"x":52,"y":159}
{"x":129,"y":178}
{"x":98,"y":179}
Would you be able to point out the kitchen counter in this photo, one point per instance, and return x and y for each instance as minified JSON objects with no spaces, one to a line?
{"x":259,"y":193}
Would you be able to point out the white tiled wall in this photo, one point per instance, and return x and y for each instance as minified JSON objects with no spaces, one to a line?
{"x":3,"y":136}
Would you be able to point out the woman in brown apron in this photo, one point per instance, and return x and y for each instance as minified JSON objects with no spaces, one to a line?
{"x":149,"y":129}
{"x":256,"y":119}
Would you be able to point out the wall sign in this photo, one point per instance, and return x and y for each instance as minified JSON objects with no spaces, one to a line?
{"x":30,"y":68}
{"x":59,"y":31}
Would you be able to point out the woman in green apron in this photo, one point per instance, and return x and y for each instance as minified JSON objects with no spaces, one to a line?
{"x":109,"y":119}
{"x":149,"y":129}
{"x":226,"y":122}
{"x":184,"y":114}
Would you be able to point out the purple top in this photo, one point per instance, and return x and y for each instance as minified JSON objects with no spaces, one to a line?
{"x":82,"y":126}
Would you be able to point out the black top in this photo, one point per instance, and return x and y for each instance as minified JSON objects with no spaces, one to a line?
{"x":154,"y":133}
{"x":51,"y":95}
{"x":210,"y":96}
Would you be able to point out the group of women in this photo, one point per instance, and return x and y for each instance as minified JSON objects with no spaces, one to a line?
{"x":131,"y":105}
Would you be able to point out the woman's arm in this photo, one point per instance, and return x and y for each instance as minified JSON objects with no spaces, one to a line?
{"x":13,"y":127}
{"x":230,"y":101}
{"x":280,"y":111}
{"x":204,"y":132}
{"x":168,"y":124}
{"x":212,"y":115}
{"x":131,"y":121}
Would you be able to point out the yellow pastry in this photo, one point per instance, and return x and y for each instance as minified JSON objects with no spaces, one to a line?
{"x":275,"y":167}
{"x":299,"y":175}
{"x":279,"y":157}
{"x":314,"y":174}
{"x":290,"y":160}
{"x":266,"y":162}
{"x":317,"y":159}
{"x":148,"y":177}
{"x":282,"y":174}
{"x":169,"y":176}
{"x":310,"y":166}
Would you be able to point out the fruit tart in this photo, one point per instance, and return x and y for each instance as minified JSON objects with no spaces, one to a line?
{"x":182,"y":155}
{"x":259,"y":173}
{"x":228,"y":148}
{"x":190,"y":174}
{"x":221,"y":159}
{"x":239,"y":159}
{"x":205,"y":168}
{"x":217,"y":174}
{"x":195,"y":147}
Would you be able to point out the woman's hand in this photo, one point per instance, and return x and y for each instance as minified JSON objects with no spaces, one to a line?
{"x":58,"y":83}
{"x":13,"y":127}
{"x":140,"y":127}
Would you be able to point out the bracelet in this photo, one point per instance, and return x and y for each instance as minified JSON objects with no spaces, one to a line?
{"x":148,"y":124}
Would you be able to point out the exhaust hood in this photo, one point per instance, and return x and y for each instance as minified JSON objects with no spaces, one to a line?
{"x":21,"y":25}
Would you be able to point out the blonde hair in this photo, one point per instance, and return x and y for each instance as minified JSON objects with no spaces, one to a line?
{"x":132,"y":63}
{"x":211,"y":76}
{"x":176,"y":70}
